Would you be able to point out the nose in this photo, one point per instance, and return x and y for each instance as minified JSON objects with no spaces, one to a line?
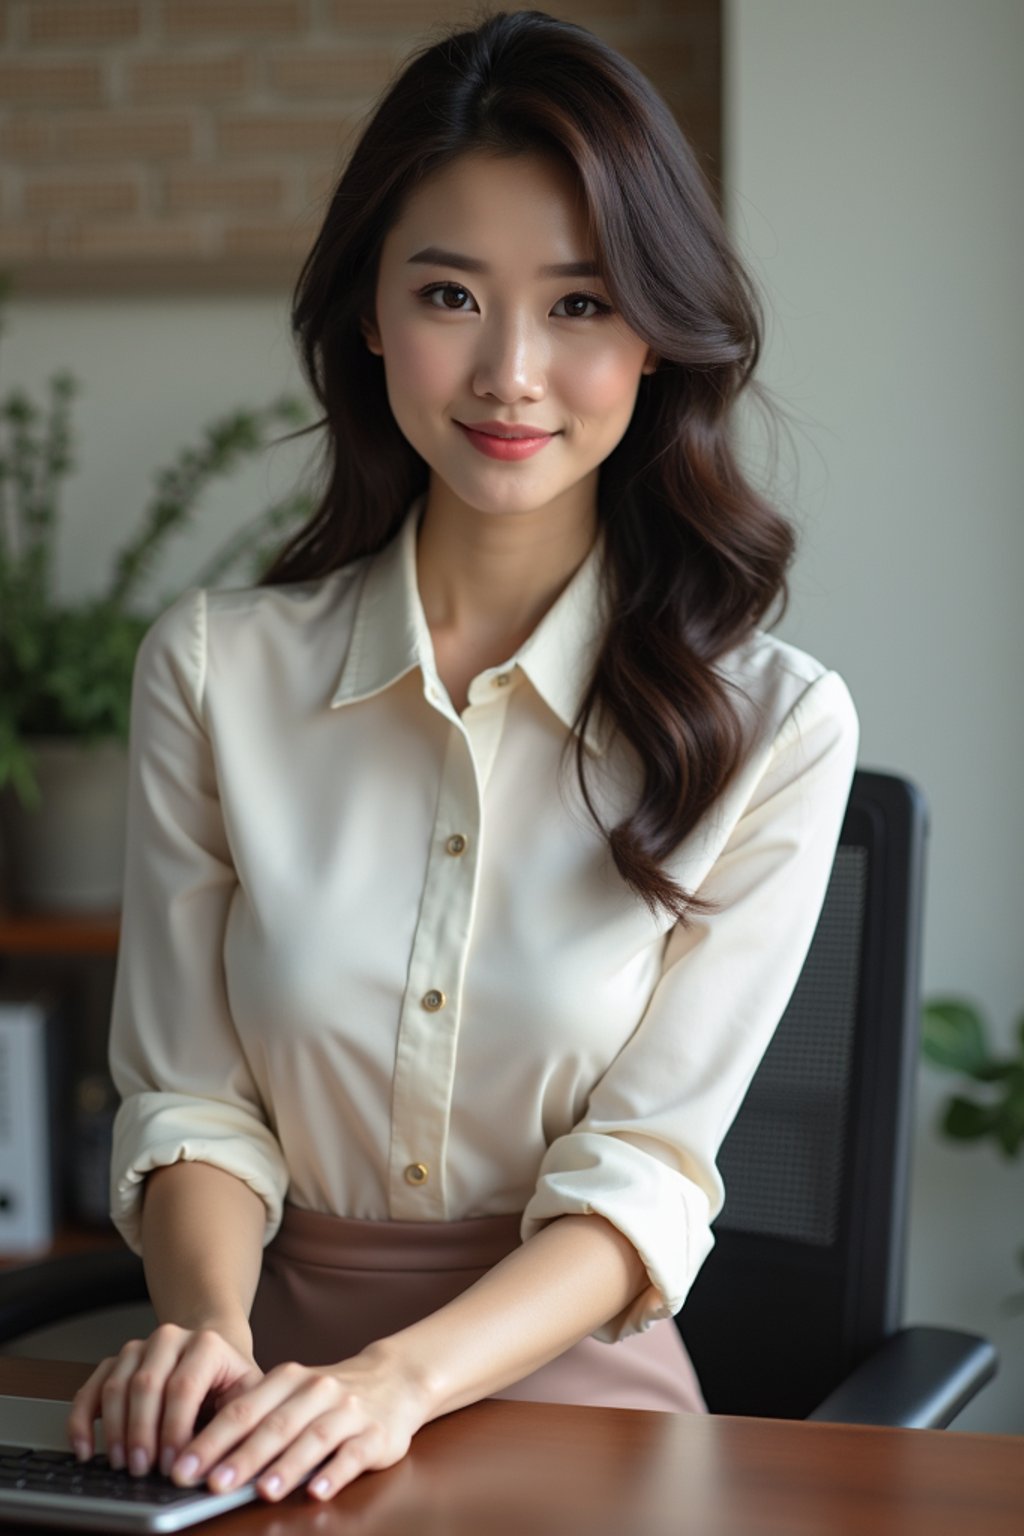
{"x":511,"y":359}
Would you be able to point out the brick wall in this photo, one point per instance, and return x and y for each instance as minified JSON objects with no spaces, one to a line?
{"x":189,"y":144}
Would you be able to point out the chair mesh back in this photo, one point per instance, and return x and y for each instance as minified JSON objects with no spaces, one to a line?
{"x":783,"y":1160}
{"x":805,"y":1278}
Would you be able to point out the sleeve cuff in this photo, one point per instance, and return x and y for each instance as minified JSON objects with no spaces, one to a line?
{"x":153,"y":1130}
{"x":663,"y":1214}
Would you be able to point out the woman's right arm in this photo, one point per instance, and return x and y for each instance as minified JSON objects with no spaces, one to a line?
{"x":202,"y":1243}
{"x":198,"y":1177}
{"x":202,"y":1240}
{"x":188,"y":1094}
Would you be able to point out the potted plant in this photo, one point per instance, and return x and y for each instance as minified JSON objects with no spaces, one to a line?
{"x":66,"y":667}
{"x":954,"y":1038}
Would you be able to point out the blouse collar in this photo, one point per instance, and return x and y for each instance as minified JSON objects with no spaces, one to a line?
{"x":391,"y":637}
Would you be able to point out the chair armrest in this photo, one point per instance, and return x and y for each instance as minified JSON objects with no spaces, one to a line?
{"x":920,"y":1378}
{"x":34,"y":1295}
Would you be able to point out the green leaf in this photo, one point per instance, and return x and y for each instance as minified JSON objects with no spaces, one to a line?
{"x":966,"y":1121}
{"x":179,"y":486}
{"x":953,"y":1036}
{"x":16,"y":767}
{"x":67,"y":670}
{"x":1009,"y":1137}
{"x":1009,"y":1129}
{"x":997,"y":1072}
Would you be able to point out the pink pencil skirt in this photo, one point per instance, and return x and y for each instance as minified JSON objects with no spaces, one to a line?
{"x":330,"y":1285}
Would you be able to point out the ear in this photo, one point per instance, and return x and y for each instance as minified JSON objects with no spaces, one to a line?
{"x":371,"y":335}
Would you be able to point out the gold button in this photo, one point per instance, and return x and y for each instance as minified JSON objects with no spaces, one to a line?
{"x":502,"y":680}
{"x":433,"y":1000}
{"x":416,"y":1173}
{"x":456,"y":844}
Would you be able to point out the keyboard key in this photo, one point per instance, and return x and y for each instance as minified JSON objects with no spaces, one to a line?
{"x":61,"y":1472}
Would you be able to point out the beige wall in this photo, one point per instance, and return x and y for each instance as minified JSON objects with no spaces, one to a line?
{"x":872,"y":159}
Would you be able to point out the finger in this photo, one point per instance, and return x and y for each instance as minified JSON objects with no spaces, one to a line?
{"x":237,"y":1421}
{"x":113,"y":1400}
{"x":145,"y":1395}
{"x":311,"y":1449}
{"x":85,"y":1410}
{"x":357,"y":1455}
{"x":203,"y":1365}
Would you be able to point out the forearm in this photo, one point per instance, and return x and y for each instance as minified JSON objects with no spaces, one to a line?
{"x":202,"y":1241}
{"x":571,"y":1277}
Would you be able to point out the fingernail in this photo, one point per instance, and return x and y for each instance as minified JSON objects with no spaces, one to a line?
{"x":187,"y":1467}
{"x":320,"y":1487}
{"x":82,"y":1449}
{"x":223,"y":1477}
{"x":138,"y":1462}
{"x":115,"y":1455}
{"x":167,"y":1456}
{"x":272,"y":1483}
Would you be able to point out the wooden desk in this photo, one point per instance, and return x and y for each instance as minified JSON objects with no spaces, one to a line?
{"x":529,"y":1469}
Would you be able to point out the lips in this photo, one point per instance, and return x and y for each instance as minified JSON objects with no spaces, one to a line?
{"x":499,"y":441}
{"x":505,"y":429}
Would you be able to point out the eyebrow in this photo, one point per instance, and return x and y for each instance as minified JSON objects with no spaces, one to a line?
{"x":433,"y":256}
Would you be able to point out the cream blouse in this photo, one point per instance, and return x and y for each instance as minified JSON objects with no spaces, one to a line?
{"x":376,"y":957}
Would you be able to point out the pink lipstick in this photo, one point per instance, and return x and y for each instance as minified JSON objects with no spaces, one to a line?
{"x":500,"y":441}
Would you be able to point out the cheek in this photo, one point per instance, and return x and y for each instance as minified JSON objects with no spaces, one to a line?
{"x":417,"y":366}
{"x":603,"y":383}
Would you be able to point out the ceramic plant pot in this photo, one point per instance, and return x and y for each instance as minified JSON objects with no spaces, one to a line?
{"x":68,"y":856}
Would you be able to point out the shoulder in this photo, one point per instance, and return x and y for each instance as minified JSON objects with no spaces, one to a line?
{"x":781,"y":688}
{"x":209,"y":630}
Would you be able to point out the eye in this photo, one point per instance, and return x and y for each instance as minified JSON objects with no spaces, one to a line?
{"x":461,"y":294}
{"x":573,"y":301}
{"x":453,"y":291}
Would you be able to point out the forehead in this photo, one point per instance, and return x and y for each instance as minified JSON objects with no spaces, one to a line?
{"x":499,"y":208}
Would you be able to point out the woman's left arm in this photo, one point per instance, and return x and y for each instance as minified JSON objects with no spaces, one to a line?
{"x":574,"y":1275}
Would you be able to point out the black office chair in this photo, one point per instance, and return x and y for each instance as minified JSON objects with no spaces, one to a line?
{"x":796,"y":1312}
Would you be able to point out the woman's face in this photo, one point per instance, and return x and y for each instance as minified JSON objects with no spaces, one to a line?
{"x":476,"y":336}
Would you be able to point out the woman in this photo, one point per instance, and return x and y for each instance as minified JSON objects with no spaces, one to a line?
{"x":474,"y":854}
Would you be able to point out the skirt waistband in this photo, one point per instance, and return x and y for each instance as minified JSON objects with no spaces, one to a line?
{"x":344,"y":1242}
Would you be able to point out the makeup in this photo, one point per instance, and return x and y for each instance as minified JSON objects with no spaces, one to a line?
{"x":509,"y":448}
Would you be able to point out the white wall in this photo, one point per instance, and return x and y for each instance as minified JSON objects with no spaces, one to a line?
{"x":873,"y":164}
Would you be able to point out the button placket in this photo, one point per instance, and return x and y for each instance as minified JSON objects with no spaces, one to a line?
{"x":431,"y":1006}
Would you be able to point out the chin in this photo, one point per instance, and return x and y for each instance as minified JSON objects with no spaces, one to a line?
{"x":507,"y":500}
{"x":510,"y":506}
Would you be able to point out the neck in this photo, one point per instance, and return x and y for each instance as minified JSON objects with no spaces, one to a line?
{"x":487,"y":579}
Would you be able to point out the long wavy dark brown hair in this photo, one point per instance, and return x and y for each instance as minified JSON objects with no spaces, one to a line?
{"x":694,"y":555}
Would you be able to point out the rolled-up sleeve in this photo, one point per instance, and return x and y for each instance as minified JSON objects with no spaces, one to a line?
{"x":175,"y":1057}
{"x":643,"y":1156}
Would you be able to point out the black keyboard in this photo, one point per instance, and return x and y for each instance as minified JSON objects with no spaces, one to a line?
{"x":50,"y":1487}
{"x":62,"y":1472}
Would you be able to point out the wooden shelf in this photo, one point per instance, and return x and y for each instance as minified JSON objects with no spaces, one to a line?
{"x":58,"y":933}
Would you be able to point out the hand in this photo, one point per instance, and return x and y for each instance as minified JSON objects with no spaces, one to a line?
{"x":149,"y":1395}
{"x":364,"y":1410}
